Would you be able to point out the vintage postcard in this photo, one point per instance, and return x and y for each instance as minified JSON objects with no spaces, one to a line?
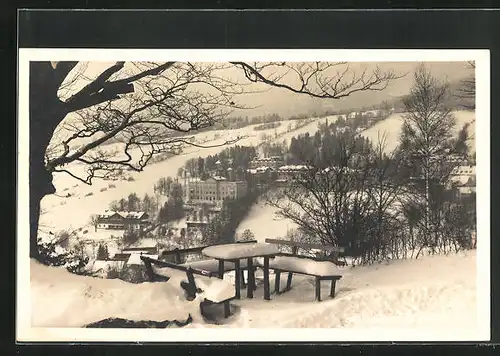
{"x":300,"y":195}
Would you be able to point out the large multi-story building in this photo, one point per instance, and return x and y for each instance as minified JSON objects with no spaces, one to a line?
{"x":214,"y":190}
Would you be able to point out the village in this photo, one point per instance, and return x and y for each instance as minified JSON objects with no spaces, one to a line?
{"x":110,"y":253}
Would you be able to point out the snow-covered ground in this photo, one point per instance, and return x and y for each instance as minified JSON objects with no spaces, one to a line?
{"x":264,"y":223}
{"x":431,"y":293}
{"x":391,"y":127}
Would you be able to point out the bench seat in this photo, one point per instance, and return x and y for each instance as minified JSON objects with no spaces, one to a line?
{"x":303,"y":266}
{"x":321,"y":270}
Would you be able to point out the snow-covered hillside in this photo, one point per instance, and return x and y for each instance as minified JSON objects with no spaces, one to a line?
{"x":391,"y":127}
{"x":433,"y":293}
{"x":61,"y":212}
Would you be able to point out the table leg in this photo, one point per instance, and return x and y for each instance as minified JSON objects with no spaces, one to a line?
{"x":227,"y":309}
{"x":332,"y":288}
{"x":277,"y":274}
{"x":250,"y":279}
{"x":221,"y":269}
{"x":267,"y":293}
{"x":318,"y":289}
{"x":237,"y":278}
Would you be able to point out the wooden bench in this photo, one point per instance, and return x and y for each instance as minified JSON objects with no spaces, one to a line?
{"x":191,"y":287}
{"x":320,"y":268}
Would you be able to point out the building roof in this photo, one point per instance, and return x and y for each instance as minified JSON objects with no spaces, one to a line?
{"x":121,"y":256}
{"x":218,"y":178}
{"x":294,"y":168}
{"x":135,"y":259}
{"x":134,"y":215}
{"x":139,"y":249}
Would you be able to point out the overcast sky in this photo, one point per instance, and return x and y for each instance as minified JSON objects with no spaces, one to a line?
{"x":287,"y":103}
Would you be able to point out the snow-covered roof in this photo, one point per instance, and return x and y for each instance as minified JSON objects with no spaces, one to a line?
{"x":142,"y":249}
{"x":135,"y":215}
{"x":135,"y":258}
{"x":106,"y":265}
{"x":466,"y":170}
{"x":294,"y":168}
{"x":218,"y":178}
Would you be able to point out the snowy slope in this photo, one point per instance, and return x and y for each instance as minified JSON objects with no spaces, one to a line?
{"x":59,"y":212}
{"x":264,"y":223}
{"x":432,"y":292}
{"x":391,"y":127}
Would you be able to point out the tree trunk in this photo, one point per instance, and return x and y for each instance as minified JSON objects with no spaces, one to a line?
{"x":45,"y":113}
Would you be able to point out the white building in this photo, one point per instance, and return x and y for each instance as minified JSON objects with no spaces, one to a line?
{"x":214,"y":190}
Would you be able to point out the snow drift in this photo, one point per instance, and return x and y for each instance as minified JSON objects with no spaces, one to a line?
{"x":62,"y":299}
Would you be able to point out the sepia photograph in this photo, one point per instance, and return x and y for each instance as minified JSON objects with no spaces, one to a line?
{"x":259,"y":195}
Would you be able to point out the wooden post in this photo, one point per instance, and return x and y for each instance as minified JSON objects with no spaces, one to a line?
{"x":221,"y":269}
{"x":251,"y":277}
{"x":277,"y":274}
{"x":332,"y":288}
{"x":267,"y":293}
{"x":289,"y":281}
{"x":290,"y":274}
{"x":227,"y":309}
{"x":243,"y":282}
{"x":318,"y":289}
{"x":149,"y":271}
{"x":192,"y":283}
{"x":237,"y":278}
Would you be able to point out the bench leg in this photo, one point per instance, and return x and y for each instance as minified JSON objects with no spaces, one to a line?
{"x":267,"y":292}
{"x":243,"y":282}
{"x":318,"y":289}
{"x":277,"y":275}
{"x":332,"y":288}
{"x":221,"y":269}
{"x":250,"y":281}
{"x":237,"y":278}
{"x":227,"y":309}
{"x":289,"y":281}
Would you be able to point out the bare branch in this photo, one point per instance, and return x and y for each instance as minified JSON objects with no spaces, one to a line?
{"x":328,"y":84}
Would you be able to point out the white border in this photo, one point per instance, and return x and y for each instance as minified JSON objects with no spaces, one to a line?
{"x":24,"y":332}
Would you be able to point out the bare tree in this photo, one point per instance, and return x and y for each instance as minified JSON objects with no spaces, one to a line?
{"x":144,"y":106}
{"x":385,"y":191}
{"x":467,"y":91}
{"x":427,"y":142}
{"x":328,"y":199}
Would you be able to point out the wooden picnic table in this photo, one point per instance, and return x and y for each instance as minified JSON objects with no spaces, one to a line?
{"x":235,"y":253}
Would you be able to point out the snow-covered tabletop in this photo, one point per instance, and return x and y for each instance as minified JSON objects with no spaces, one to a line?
{"x":240,"y":250}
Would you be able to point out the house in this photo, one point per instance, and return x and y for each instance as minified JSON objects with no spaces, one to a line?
{"x":371,"y":113}
{"x":274,"y":162}
{"x":290,"y":171}
{"x":122,"y":220}
{"x":214,"y":190}
{"x":135,"y":259}
{"x":139,"y":250}
{"x":352,"y":115}
{"x":463,"y":174}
